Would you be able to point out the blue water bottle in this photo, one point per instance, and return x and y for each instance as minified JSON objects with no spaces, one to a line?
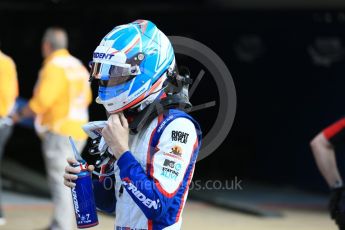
{"x":82,"y":194}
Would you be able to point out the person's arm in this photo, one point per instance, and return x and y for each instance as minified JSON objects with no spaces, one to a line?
{"x":324,"y":155}
{"x":155,"y":191}
{"x":323,"y":149}
{"x":23,"y":113}
{"x":49,"y":88}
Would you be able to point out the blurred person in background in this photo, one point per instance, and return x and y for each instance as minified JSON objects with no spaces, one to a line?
{"x":60,"y":104}
{"x":323,"y":147}
{"x":8,"y":95}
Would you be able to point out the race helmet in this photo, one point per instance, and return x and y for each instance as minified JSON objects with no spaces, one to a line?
{"x":131,"y":64}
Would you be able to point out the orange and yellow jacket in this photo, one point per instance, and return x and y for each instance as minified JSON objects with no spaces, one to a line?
{"x":8,"y":84}
{"x":62,"y":95}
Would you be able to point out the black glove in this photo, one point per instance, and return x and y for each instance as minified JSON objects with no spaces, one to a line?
{"x":337,"y":206}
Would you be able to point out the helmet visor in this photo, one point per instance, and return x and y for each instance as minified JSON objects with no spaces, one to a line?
{"x":112,"y":75}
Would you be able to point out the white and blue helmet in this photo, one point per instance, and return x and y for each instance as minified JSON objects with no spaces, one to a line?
{"x":131,"y":64}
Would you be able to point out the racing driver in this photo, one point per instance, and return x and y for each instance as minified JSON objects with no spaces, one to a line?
{"x":153,"y":164}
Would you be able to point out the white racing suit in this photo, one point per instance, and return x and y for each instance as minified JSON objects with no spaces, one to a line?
{"x":152,"y":179}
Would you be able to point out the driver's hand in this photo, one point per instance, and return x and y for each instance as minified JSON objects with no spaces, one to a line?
{"x":70,"y":172}
{"x":337,"y":206}
{"x":116,"y":134}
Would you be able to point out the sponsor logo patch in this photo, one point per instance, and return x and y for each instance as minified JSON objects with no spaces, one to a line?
{"x":102,"y":55}
{"x":170,"y":169}
{"x":176,"y":150}
{"x":140,"y":196}
{"x":169,"y":163}
{"x":173,"y":156}
{"x":179,"y":136}
{"x":75,"y":202}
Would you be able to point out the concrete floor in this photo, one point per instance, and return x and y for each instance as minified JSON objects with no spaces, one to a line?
{"x":30,"y":213}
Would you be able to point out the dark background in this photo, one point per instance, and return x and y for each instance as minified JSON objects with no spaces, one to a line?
{"x":284,"y":98}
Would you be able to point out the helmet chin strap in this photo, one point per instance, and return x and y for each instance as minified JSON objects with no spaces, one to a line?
{"x":148,"y":100}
